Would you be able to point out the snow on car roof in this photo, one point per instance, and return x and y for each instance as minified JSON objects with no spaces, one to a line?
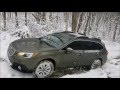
{"x":76,"y":34}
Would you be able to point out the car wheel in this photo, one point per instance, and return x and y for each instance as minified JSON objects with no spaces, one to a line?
{"x":96,"y":64}
{"x":44,"y":69}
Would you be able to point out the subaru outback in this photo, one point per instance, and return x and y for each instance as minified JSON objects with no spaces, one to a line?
{"x":56,"y":51}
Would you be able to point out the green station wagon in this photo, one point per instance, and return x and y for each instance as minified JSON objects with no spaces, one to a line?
{"x":56,"y":51}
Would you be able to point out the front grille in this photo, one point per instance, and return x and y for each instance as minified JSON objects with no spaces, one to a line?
{"x":11,"y":50}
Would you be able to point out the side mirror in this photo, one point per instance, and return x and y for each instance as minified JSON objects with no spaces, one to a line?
{"x":69,"y":49}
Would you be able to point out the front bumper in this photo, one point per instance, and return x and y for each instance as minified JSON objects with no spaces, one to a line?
{"x":24,"y":65}
{"x":21,"y":68}
{"x":20,"y":63}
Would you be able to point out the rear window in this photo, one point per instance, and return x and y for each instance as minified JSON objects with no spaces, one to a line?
{"x":92,"y":46}
{"x":76,"y":45}
{"x":84,"y":45}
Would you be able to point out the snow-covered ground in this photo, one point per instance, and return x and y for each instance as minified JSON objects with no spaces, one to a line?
{"x":110,"y":70}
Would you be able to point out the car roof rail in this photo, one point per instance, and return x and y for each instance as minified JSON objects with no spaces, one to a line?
{"x":83,"y":37}
{"x":67,"y":32}
{"x":96,"y":39}
{"x":81,"y":33}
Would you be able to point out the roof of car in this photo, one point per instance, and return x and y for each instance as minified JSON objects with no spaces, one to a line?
{"x":69,"y":35}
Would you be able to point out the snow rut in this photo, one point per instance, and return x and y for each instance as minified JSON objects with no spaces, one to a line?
{"x":7,"y":72}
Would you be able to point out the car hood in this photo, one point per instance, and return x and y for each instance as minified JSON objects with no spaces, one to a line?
{"x":31,"y":45}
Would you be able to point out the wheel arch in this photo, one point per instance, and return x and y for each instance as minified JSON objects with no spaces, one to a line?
{"x":101,"y":60}
{"x":50,"y":59}
{"x":46,"y":59}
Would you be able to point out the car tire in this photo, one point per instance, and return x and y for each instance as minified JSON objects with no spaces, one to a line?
{"x":96,"y":64}
{"x":44,"y":69}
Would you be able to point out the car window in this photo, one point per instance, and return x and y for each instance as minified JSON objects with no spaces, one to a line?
{"x":92,"y":46}
{"x":76,"y":45}
{"x":52,"y":40}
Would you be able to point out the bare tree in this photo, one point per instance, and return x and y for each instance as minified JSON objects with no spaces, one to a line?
{"x":101,"y":24}
{"x":26,"y":18}
{"x":16,"y":19}
{"x":90,"y":23}
{"x":10,"y":14}
{"x":80,"y":21}
{"x":75,"y":16}
{"x":66,"y":15}
{"x":4,"y":20}
{"x":57,"y":17}
{"x":115,"y":30}
{"x":37,"y":16}
{"x":114,"y":34}
{"x":43,"y":18}
{"x":50,"y":16}
{"x":87,"y":22}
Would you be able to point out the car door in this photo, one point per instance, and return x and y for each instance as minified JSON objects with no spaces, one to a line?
{"x":71,"y":58}
{"x":91,"y":52}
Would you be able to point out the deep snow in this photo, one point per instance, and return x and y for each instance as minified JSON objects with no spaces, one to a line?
{"x":110,"y":70}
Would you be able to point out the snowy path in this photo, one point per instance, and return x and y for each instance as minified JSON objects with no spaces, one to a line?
{"x":110,"y":70}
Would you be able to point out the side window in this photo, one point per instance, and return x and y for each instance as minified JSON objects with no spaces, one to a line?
{"x":92,"y":46}
{"x":76,"y":45}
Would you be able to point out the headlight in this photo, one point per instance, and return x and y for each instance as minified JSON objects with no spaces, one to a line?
{"x":26,"y":55}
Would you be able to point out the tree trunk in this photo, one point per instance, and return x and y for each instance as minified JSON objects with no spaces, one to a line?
{"x":43,"y":19}
{"x":9,"y":15}
{"x":115,"y":32}
{"x":37,"y":16}
{"x":4,"y":20}
{"x":87,"y":22}
{"x":90,"y":23}
{"x":50,"y":16}
{"x":75,"y":16}
{"x":80,"y":21}
{"x":66,"y":18}
{"x":26,"y":18}
{"x":16,"y":19}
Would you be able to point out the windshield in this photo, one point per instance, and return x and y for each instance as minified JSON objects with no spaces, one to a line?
{"x":52,"y":40}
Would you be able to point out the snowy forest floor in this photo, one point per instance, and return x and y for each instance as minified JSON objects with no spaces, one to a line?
{"x":111,"y":69}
